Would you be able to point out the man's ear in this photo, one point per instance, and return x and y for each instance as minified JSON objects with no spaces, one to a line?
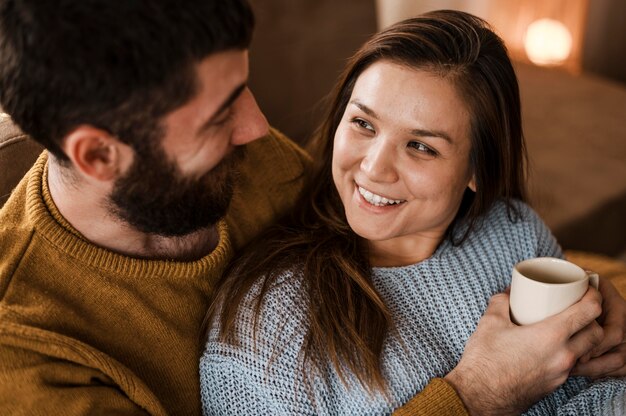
{"x":96,"y":154}
{"x":472,"y":183}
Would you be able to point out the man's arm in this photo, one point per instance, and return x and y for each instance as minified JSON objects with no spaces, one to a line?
{"x":33,"y":384}
{"x":608,"y":359}
{"x":438,"y":398}
{"x":506,"y":368}
{"x":43,"y":373}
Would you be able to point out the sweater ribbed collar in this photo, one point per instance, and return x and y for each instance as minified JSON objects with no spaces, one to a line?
{"x":49,"y":222}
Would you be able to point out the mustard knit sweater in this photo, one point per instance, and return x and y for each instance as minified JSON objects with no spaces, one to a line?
{"x":84,"y":330}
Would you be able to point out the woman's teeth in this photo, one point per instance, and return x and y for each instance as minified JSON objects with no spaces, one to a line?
{"x":377,"y":200}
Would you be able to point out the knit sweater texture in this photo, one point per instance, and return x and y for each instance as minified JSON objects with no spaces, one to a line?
{"x":435,"y":305}
{"x":84,"y":330}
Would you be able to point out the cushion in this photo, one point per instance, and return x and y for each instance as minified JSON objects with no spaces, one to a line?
{"x":607,"y":267}
{"x":17,"y":154}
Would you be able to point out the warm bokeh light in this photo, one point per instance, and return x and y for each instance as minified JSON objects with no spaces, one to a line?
{"x":547,"y":42}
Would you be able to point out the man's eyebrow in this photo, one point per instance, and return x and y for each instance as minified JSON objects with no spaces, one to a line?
{"x":414,"y":132}
{"x":227,"y":103}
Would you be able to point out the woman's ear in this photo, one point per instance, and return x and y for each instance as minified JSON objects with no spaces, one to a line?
{"x":472,"y":183}
{"x":96,"y":154}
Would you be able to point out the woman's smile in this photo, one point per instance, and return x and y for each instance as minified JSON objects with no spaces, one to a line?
{"x":376,"y":199}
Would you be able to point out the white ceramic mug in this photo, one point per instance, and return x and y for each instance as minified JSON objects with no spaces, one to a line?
{"x":544,"y":286}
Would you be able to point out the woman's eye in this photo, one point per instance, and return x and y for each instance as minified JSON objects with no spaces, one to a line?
{"x":363,"y":124}
{"x":421,"y":147}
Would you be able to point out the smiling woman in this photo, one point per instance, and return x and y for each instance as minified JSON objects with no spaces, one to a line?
{"x":372,"y":291}
{"x":401,"y":161}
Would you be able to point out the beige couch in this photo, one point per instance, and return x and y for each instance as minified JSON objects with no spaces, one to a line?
{"x":17,"y":154}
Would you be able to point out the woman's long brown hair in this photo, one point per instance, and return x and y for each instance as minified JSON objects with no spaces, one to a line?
{"x":347,"y":319}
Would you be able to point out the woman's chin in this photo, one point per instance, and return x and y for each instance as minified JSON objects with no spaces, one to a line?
{"x":370,"y":232}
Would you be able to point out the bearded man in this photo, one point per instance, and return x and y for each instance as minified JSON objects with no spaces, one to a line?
{"x":159,"y":165}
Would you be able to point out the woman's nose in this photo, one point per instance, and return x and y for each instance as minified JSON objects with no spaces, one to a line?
{"x":378,"y":163}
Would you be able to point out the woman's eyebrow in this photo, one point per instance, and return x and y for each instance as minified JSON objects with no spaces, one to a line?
{"x":364,"y":108}
{"x":431,"y":133}
{"x":414,"y":132}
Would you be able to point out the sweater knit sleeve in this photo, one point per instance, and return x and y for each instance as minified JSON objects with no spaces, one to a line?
{"x":438,"y":398}
{"x":32,"y":383}
{"x":606,"y":397}
{"x":234,"y":384}
{"x":260,"y":373}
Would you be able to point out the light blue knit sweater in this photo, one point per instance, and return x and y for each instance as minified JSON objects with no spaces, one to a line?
{"x":436,"y":305}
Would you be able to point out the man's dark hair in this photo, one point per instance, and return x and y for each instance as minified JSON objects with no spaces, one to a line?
{"x":117,"y":65}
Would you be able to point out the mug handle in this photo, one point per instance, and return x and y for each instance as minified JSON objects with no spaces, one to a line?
{"x":594,"y":278}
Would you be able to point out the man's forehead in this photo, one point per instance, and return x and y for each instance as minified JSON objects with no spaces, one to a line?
{"x":219,"y":76}
{"x":225,"y":66}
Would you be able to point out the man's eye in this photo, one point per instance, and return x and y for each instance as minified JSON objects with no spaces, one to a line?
{"x":363,"y":124}
{"x":223,"y":119}
{"x":422,"y":148}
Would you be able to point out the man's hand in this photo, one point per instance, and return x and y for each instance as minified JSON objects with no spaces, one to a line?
{"x":609,"y":357}
{"x":506,"y":368}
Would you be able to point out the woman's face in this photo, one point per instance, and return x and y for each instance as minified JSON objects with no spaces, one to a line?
{"x":401,"y":160}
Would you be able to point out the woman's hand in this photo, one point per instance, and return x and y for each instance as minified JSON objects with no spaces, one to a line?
{"x":506,"y":368}
{"x":609,"y":357}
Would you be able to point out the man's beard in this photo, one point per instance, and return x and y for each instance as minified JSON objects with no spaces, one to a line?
{"x":155,"y":198}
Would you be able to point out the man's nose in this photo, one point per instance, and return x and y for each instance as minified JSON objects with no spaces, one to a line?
{"x":250,"y":123}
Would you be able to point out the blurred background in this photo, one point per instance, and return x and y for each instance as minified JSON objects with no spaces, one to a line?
{"x":570,"y":58}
